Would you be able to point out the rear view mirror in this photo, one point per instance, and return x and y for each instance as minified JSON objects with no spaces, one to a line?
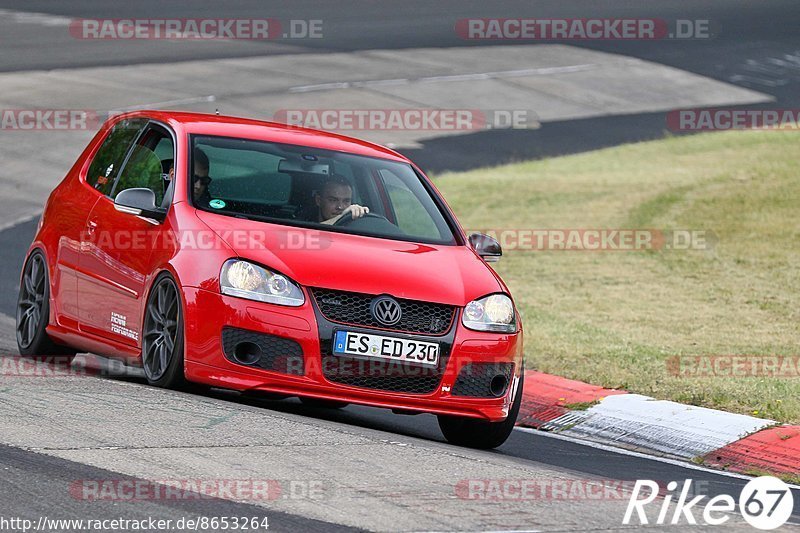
{"x":303,"y":165}
{"x":487,"y":247}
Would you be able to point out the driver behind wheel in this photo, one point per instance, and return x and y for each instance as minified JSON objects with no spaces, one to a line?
{"x":334,"y":200}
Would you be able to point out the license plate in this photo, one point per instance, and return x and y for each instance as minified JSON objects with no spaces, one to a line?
{"x":351,"y":343}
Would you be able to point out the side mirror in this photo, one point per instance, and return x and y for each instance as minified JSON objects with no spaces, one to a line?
{"x":139,"y":202}
{"x":487,"y":247}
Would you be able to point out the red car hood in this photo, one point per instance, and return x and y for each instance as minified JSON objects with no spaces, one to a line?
{"x":452,"y":275}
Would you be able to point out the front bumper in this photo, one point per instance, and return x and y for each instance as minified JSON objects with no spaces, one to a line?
{"x":318,"y":374}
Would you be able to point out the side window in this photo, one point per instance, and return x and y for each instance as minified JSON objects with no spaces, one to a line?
{"x":164,"y":148}
{"x":142,"y":170}
{"x":110,"y":156}
{"x":149,"y":164}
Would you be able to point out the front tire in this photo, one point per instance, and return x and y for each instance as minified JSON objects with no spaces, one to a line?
{"x":162,"y":340}
{"x":33,"y":312}
{"x":475,"y":433}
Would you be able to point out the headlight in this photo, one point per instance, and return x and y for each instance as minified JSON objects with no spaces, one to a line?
{"x":491,"y":313}
{"x":246,"y":280}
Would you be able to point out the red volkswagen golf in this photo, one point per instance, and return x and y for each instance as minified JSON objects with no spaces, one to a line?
{"x":261,"y":257}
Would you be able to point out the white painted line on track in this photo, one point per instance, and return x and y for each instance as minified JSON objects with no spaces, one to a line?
{"x":29,"y":17}
{"x":631,"y":453}
{"x":498,"y":531}
{"x":500,"y":74}
{"x":21,"y":220}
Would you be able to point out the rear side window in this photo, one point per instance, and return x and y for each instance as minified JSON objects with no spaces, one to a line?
{"x":110,"y":156}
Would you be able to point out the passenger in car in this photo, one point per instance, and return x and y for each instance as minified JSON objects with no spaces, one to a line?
{"x":201,"y":178}
{"x":333,"y":201}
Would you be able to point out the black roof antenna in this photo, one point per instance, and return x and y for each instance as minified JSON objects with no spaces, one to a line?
{"x":217,"y":112}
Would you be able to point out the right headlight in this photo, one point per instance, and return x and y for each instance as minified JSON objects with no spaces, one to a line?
{"x":247,"y":280}
{"x":490,"y":313}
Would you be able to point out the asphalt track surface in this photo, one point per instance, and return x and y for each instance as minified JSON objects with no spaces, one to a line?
{"x":751,"y":34}
{"x":744,"y":28}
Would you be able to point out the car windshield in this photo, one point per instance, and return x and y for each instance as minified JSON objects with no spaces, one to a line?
{"x":302,"y":186}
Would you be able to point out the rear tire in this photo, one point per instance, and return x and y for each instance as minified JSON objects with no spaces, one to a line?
{"x":162,"y":337}
{"x":33,"y":313}
{"x":475,"y":433}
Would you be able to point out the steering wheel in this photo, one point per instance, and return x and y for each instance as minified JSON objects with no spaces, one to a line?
{"x":347,"y":218}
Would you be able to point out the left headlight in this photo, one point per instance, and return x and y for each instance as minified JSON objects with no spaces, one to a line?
{"x":247,"y":280}
{"x":490,"y":313}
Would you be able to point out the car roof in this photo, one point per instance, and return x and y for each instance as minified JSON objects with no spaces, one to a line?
{"x":228,"y":126}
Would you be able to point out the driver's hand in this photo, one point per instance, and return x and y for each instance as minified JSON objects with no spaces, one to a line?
{"x":357,"y":211}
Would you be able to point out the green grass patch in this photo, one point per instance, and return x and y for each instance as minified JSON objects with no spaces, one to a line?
{"x":581,"y":406}
{"x":793,"y":479}
{"x":615,"y":318}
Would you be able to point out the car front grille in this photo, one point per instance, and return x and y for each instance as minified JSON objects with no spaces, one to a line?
{"x":354,"y":308}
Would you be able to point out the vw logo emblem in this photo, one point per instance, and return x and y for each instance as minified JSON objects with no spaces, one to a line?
{"x":386,"y":310}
